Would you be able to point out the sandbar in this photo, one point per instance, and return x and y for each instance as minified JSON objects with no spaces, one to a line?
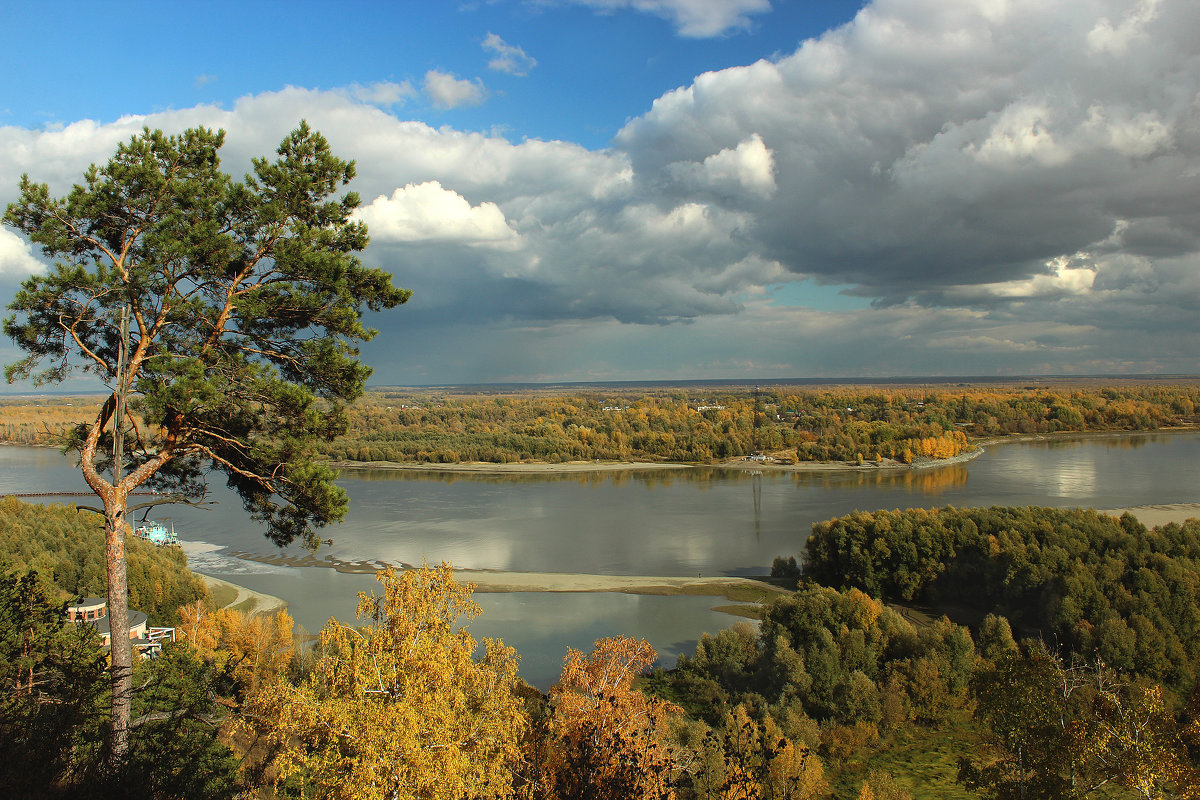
{"x":246,"y":601}
{"x":717,"y":586}
{"x":1154,"y":515}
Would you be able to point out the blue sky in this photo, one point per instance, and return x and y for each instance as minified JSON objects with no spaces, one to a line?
{"x":594,"y":68}
{"x":689,"y":189}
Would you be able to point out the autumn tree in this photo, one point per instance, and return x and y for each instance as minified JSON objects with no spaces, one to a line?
{"x":227,"y":312}
{"x":759,"y":763}
{"x":1069,"y":730}
{"x":610,"y":741}
{"x":400,"y":707}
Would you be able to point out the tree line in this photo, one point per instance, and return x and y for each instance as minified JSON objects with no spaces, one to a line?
{"x":703,"y":426}
{"x":855,"y":425}
{"x":1097,"y":585}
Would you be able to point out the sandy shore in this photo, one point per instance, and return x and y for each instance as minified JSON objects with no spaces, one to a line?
{"x":1152,"y":516}
{"x":247,"y":601}
{"x":487,"y":580}
{"x":498,"y":581}
{"x":569,"y":467}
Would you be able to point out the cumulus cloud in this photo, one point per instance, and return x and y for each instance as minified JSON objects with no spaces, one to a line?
{"x":507,"y":57}
{"x":16,"y":256}
{"x":382,"y":93}
{"x":925,"y":145}
{"x":697,"y":19}
{"x":748,"y":168}
{"x":447,"y":91}
{"x":1011,"y":184}
{"x":426,"y":212}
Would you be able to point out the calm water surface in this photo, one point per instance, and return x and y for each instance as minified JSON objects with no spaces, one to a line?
{"x":669,"y":522}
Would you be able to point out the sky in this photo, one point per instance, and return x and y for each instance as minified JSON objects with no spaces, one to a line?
{"x":605,"y":190}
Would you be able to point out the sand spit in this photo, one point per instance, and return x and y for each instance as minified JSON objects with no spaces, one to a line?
{"x":247,"y":601}
{"x":1155,"y":515}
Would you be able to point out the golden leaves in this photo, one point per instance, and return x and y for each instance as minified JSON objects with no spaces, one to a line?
{"x":400,"y":708}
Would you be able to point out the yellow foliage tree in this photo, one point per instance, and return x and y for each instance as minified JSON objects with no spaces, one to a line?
{"x":257,"y":646}
{"x":398,"y":708}
{"x":761,"y":764}
{"x":198,"y":626}
{"x":609,"y":741}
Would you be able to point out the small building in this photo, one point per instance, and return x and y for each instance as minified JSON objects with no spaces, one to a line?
{"x":157,"y":534}
{"x":147,"y":640}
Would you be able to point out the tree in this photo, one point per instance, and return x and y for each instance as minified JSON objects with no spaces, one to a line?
{"x":399,"y":708}
{"x":1062,"y":731}
{"x":241,"y":308}
{"x":609,"y":739}
{"x":51,"y":688}
{"x":53,"y":712}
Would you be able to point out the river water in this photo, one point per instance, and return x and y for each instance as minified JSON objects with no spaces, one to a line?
{"x":660,"y":522}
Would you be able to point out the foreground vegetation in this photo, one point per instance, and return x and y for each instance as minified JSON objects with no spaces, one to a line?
{"x":1075,"y":677}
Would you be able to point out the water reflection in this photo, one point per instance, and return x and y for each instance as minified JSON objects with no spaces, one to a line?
{"x":933,"y":481}
{"x":650,"y":477}
{"x":541,"y":626}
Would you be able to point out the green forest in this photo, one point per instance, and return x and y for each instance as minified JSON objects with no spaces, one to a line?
{"x":65,"y":547}
{"x":850,"y":424}
{"x":856,"y":425}
{"x":953,"y":653}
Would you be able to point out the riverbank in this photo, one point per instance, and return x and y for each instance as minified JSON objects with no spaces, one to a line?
{"x":569,"y":467}
{"x":1154,"y":515}
{"x":239,"y":598}
{"x":743,"y":464}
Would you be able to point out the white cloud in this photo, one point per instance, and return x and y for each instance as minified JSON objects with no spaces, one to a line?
{"x":426,"y":212}
{"x":507,"y":57}
{"x":382,"y":93}
{"x":1064,"y":276}
{"x":447,"y":91}
{"x":1104,"y":38}
{"x":994,"y":175}
{"x":697,"y":19}
{"x":748,"y":168}
{"x":16,"y":256}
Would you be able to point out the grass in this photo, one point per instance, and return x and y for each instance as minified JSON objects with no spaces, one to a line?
{"x":922,"y":760}
{"x":747,"y":611}
{"x":222,"y":594}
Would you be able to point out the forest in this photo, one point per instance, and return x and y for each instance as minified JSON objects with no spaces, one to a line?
{"x":955,"y":653}
{"x":856,"y":424}
{"x":65,"y":547}
{"x":848,"y":424}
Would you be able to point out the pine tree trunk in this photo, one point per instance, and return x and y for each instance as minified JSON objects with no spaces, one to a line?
{"x":118,"y":620}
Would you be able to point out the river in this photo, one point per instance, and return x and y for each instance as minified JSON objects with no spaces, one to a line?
{"x":659,"y":522}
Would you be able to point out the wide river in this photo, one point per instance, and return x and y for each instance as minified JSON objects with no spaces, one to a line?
{"x":660,"y":522}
